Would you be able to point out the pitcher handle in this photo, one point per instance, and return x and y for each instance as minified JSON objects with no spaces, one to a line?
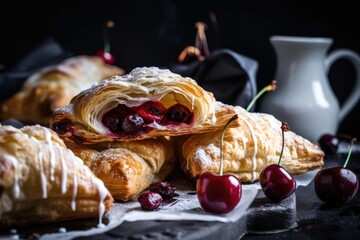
{"x":354,"y":59}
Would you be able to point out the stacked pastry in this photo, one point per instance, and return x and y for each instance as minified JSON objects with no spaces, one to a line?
{"x":53,"y":87}
{"x":120,"y":127}
{"x":41,"y":181}
{"x":127,"y":129}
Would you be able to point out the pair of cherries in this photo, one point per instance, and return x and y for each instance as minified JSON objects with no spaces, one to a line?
{"x":221,"y":193}
{"x":334,"y":185}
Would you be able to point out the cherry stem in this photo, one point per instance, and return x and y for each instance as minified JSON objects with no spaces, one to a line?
{"x":270,"y":87}
{"x":109,"y":24}
{"x":221,"y":143}
{"x":284,"y":128}
{"x":200,"y":41}
{"x":349,"y":153}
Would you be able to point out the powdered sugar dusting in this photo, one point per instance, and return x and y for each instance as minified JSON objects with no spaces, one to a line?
{"x":140,"y":75}
{"x":204,"y":156}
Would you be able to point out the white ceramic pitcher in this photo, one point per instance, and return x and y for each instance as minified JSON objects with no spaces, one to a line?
{"x":304,"y":97}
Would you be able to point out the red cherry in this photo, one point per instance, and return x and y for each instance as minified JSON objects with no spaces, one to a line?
{"x":179,"y":113}
{"x":336,"y":185}
{"x":115,"y":117}
{"x":106,"y":56}
{"x":219,"y":193}
{"x":165,"y":189}
{"x":329,"y":143}
{"x":150,"y":200}
{"x":276,"y":183}
{"x":151,"y":111}
{"x":132,"y":123}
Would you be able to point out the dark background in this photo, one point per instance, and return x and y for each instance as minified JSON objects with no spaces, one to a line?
{"x":152,"y":33}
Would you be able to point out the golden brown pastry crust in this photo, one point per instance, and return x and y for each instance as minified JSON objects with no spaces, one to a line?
{"x":87,"y":109}
{"x":53,"y":87}
{"x":248,"y":149}
{"x":127,"y":168}
{"x":41,"y":181}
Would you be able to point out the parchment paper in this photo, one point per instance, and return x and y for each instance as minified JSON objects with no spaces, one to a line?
{"x":185,"y":206}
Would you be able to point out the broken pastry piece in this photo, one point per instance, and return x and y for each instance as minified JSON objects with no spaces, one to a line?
{"x":53,"y":87}
{"x":248,"y":149}
{"x":147,"y":102}
{"x":128,"y":167}
{"x":41,"y":181}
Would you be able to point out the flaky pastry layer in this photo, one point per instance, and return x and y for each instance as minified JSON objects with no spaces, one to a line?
{"x":128,"y":167}
{"x":82,"y":121}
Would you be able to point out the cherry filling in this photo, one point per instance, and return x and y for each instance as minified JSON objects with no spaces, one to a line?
{"x":115,"y":117}
{"x":152,"y":111}
{"x":125,"y":120}
{"x":132,"y":123}
{"x":64,"y":126}
{"x":179,"y":113}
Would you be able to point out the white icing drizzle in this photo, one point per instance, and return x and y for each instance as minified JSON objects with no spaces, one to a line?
{"x":102,"y":190}
{"x":102,"y":194}
{"x":16,"y":187}
{"x":42,"y":175}
{"x":63,"y":172}
{"x":62,"y":230}
{"x":51,"y":151}
{"x":253,"y":176}
{"x":213,"y":118}
{"x":75,"y":189}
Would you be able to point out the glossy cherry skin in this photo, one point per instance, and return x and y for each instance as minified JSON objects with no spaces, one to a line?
{"x":179,"y":113}
{"x":336,"y":185}
{"x":106,"y":56}
{"x":150,"y":200}
{"x":329,"y":143}
{"x":165,"y":189}
{"x":276,"y":183}
{"x":151,"y":111}
{"x":218,"y":194}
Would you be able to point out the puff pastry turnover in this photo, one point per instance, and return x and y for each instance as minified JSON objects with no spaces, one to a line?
{"x":147,"y":102}
{"x":128,"y":167}
{"x":41,"y":181}
{"x":53,"y":87}
{"x":248,"y":149}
